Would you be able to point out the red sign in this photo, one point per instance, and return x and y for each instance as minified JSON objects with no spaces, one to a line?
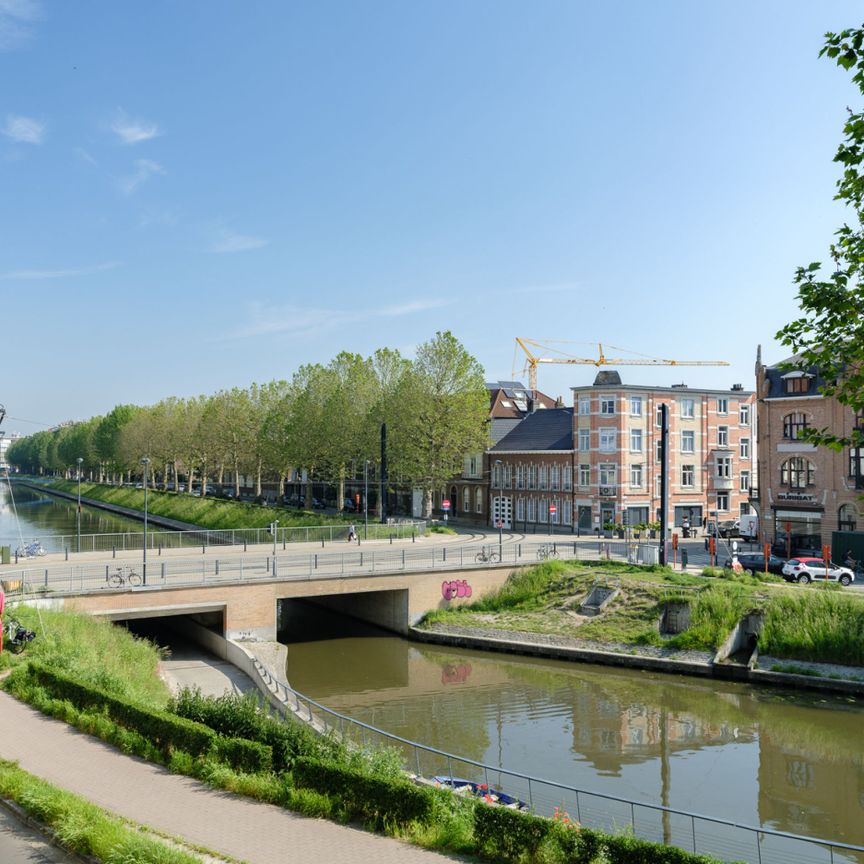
{"x":445,"y":504}
{"x":499,"y":524}
{"x":553,"y":509}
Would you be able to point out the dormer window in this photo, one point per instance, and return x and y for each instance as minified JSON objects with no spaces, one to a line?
{"x":797,"y":382}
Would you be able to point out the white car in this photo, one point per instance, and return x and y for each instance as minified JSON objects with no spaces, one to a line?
{"x":805,"y":570}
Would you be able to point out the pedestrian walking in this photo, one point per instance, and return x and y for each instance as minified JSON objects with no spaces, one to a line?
{"x":352,"y":534}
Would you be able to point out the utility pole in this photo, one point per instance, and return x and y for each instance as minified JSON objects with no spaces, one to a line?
{"x":383,"y":478}
{"x":664,"y":478}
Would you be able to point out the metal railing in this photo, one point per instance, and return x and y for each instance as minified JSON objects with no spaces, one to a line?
{"x":169,"y":571}
{"x":134,"y":540}
{"x":694,"y":832}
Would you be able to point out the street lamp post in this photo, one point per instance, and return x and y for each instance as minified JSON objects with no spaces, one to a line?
{"x":145,"y":462}
{"x":366,"y":500}
{"x":496,"y":464}
{"x":79,"y":460}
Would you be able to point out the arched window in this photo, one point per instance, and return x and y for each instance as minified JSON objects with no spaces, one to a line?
{"x":796,"y":473}
{"x":478,"y":505}
{"x":847,"y":517}
{"x":794,"y":425}
{"x":466,"y":499}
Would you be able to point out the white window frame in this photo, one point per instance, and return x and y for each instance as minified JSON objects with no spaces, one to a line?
{"x":520,"y":476}
{"x":607,"y":470}
{"x":635,"y":440}
{"x":555,"y":476}
{"x":555,"y":518}
{"x":744,"y":481}
{"x":584,"y":476}
{"x":688,"y":435}
{"x":723,"y":467}
{"x":607,"y":405}
{"x":567,"y":475}
{"x":543,"y":511}
{"x":658,"y":416}
{"x":744,"y":448}
{"x":532,"y":476}
{"x":478,"y":500}
{"x":744,"y":414}
{"x":543,"y":477}
{"x":584,"y":440}
{"x":608,"y":439}
{"x":520,"y":509}
{"x":658,"y":449}
{"x":584,"y":406}
{"x":636,"y":475}
{"x":635,"y":406}
{"x":691,"y":470}
{"x":722,"y":436}
{"x":722,"y":502}
{"x":687,"y":409}
{"x":532,"y":510}
{"x":567,"y":512}
{"x":722,"y":405}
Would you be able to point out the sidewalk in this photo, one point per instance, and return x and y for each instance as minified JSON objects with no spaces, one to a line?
{"x":148,"y":794}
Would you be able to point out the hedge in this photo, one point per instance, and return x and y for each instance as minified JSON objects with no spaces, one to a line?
{"x":507,"y":835}
{"x":367,"y":797}
{"x":167,"y":731}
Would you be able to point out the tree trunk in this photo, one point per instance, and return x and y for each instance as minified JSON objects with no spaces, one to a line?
{"x":258,"y":479}
{"x":236,"y":479}
{"x":204,"y":479}
{"x":427,"y":504}
{"x":340,"y":500}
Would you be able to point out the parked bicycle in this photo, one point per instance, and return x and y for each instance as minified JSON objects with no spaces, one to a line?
{"x":487,"y":556}
{"x":121,"y":576}
{"x":547,"y":551}
{"x":17,"y":636}
{"x":31,"y":550}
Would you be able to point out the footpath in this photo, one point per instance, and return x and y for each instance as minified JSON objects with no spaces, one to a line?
{"x":179,"y":806}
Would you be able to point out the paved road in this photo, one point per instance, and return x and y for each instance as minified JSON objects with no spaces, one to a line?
{"x":22,"y":845}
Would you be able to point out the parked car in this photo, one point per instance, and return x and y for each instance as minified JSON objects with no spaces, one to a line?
{"x":729,"y":528}
{"x":754,"y":562}
{"x":806,"y":570}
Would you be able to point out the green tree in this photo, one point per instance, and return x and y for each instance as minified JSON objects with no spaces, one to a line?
{"x":442,"y":411}
{"x":829,"y":334}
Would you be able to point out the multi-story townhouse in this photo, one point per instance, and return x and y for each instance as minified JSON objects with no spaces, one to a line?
{"x":532,"y":472}
{"x":616,"y":433}
{"x":804,"y":493}
{"x":509,"y":403}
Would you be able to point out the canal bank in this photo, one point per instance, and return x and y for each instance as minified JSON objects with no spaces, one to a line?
{"x":828,"y":677}
{"x":127,"y":512}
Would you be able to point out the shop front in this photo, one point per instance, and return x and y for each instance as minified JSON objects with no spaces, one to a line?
{"x":797,"y":531}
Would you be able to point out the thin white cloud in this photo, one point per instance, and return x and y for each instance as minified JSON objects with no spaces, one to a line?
{"x":85,"y":156}
{"x":16,"y":20}
{"x":144,"y":170}
{"x":303,"y":321}
{"x":131,"y":131}
{"x":227,"y":241}
{"x":555,"y":288}
{"x":24,"y":130}
{"x":35,"y":275}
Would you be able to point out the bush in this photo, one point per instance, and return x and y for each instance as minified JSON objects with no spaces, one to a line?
{"x":508,"y":835}
{"x":626,"y":849}
{"x":373,"y":798}
{"x":166,"y":731}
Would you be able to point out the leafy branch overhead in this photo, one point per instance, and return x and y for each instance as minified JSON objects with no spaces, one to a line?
{"x":829,"y":334}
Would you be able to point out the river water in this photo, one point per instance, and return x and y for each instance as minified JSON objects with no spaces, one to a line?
{"x":783,"y":760}
{"x":41,"y":517}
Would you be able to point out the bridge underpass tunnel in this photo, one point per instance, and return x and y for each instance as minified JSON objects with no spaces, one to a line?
{"x":301,"y":619}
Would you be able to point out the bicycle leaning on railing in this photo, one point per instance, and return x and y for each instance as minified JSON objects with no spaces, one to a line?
{"x":547,"y":550}
{"x":121,"y":575}
{"x":490,"y":555}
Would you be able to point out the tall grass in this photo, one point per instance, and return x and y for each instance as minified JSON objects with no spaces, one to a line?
{"x":96,"y":652}
{"x":714,"y":612}
{"x":821,"y":626}
{"x":83,"y":827}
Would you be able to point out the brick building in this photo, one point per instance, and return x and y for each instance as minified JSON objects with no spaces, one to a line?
{"x":804,"y":493}
{"x":606,"y":468}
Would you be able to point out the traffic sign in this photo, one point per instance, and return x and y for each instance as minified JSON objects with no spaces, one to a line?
{"x":553,"y":509}
{"x":445,"y":504}
{"x":499,"y":524}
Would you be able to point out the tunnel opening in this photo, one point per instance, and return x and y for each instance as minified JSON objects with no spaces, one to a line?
{"x":374,"y":613}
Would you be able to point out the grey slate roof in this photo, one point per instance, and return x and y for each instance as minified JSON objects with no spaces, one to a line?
{"x":502,"y":426}
{"x":774,"y":375}
{"x":551,"y":429}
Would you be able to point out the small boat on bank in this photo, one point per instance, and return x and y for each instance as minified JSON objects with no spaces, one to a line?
{"x":461,"y":786}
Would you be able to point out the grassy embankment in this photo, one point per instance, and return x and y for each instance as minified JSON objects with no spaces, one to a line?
{"x":213,"y":513}
{"x":317,"y":776}
{"x":800,"y":623}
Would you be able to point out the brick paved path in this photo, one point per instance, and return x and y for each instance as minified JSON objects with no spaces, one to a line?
{"x":148,"y":794}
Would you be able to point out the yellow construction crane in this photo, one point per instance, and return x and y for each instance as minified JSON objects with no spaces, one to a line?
{"x":533,"y":360}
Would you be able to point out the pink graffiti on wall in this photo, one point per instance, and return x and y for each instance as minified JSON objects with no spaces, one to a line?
{"x":455,"y":588}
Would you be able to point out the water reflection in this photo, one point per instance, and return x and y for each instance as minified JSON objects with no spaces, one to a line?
{"x":787,"y":761}
{"x":42,"y":517}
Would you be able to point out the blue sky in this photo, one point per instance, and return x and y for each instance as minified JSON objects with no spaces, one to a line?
{"x":199,"y":195}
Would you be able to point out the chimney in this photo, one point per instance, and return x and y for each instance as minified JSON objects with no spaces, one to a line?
{"x":737,"y":387}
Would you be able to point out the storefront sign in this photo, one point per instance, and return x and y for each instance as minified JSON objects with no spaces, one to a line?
{"x":803,"y":497}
